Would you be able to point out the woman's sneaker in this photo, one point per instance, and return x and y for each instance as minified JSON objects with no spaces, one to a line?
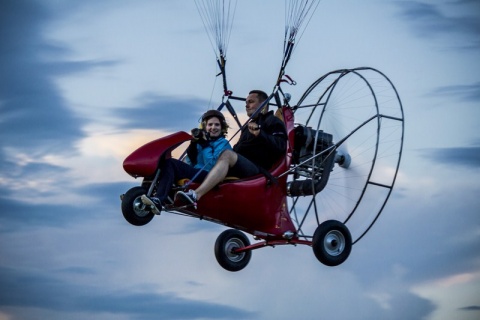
{"x":154,"y":203}
{"x":189,"y":197}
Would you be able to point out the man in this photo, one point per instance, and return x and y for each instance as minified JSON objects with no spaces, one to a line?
{"x":262,"y":142}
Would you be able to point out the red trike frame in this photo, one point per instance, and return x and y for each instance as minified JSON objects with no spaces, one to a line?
{"x":255,"y":205}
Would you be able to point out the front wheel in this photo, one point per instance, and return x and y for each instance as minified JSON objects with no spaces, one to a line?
{"x":332,"y":243}
{"x":227,"y":242}
{"x":133,"y":209}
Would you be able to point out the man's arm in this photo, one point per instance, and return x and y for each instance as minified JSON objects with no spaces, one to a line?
{"x":274,"y":135}
{"x":275,"y":142}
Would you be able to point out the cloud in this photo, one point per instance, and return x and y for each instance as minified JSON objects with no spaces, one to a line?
{"x":35,"y":116}
{"x":19,"y":166}
{"x":460,"y":156}
{"x":418,"y":308}
{"x":470,"y":308}
{"x":27,"y":289}
{"x":416,"y":238}
{"x":154,"y":111}
{"x":26,"y":83}
{"x":74,"y":254}
{"x":18,"y":214}
{"x":428,"y":20}
{"x":467,"y":93}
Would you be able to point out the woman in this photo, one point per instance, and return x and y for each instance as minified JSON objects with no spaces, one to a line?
{"x":202,"y":154}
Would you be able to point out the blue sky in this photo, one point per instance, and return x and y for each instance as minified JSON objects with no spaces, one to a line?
{"x":82,"y":84}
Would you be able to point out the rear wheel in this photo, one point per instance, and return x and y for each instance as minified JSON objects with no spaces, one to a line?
{"x":227,"y":242}
{"x":133,"y":209}
{"x":332,"y":243}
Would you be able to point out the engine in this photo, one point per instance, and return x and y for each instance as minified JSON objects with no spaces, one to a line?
{"x":313,"y":159}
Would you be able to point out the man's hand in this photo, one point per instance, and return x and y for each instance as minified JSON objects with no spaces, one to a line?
{"x":254,"y":128}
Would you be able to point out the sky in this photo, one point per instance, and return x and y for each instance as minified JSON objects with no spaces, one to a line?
{"x":84,"y":83}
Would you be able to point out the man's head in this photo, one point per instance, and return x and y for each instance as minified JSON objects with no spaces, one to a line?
{"x":254,"y":100}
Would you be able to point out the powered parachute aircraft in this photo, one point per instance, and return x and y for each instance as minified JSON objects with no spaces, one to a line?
{"x":345,"y":139}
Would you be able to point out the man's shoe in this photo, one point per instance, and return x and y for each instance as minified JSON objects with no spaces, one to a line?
{"x":154,"y":203}
{"x":189,"y":197}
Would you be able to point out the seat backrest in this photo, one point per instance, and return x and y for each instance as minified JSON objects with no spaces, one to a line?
{"x":286,"y":115}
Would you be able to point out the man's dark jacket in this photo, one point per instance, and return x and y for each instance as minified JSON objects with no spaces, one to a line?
{"x":266,"y":148}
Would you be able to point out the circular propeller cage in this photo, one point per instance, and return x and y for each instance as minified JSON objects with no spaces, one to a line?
{"x":347,"y":150}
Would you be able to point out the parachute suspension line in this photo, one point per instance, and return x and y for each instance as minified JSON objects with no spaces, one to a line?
{"x":297,"y":12}
{"x":211,"y":93}
{"x":217,"y":17}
